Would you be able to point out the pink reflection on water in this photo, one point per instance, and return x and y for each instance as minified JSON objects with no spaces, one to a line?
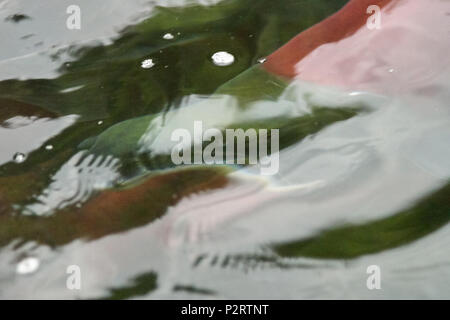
{"x":404,"y":55}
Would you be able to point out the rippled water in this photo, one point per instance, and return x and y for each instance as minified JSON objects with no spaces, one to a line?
{"x":363,"y":167}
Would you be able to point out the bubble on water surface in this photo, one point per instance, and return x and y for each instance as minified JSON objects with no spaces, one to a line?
{"x":261,"y":60}
{"x":27,"y":265}
{"x":222,"y":58}
{"x":19,"y":157}
{"x":168,"y":36}
{"x":147,"y":64}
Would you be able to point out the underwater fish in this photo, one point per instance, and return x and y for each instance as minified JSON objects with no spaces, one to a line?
{"x":329,"y":53}
{"x":108,"y":84}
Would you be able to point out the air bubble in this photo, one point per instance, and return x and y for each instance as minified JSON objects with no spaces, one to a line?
{"x":262,"y":60}
{"x":147,"y":64}
{"x":222,"y":58}
{"x":19,"y":157}
{"x":27,"y":265}
{"x":168,"y":36}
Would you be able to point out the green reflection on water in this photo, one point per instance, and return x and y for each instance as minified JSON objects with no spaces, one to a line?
{"x":142,"y":285}
{"x":423,"y":218}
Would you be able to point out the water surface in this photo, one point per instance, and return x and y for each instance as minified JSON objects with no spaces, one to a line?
{"x":85,"y":177}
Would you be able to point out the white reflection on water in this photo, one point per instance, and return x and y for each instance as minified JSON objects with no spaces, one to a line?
{"x":28,"y":134}
{"x":75,"y":182}
{"x":34,"y":56}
